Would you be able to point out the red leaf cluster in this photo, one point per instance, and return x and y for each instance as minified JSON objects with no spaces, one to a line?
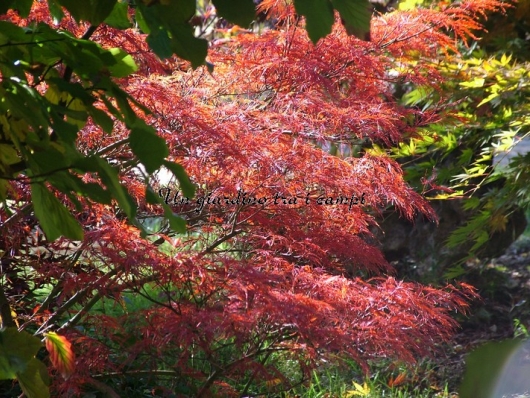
{"x":299,"y":276}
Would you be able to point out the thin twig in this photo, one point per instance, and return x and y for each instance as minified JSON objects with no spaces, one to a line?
{"x":111,"y":147}
{"x":26,"y":43}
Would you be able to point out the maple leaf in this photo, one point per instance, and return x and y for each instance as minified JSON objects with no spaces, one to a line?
{"x":360,"y":390}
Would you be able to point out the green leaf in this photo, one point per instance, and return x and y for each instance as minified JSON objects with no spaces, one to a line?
{"x":112,"y":109}
{"x":65,"y":182}
{"x":416,"y":96}
{"x":126,"y":111}
{"x":405,"y":5}
{"x":319,"y":17}
{"x":68,"y":183}
{"x":10,"y":32}
{"x":54,"y":217}
{"x":125,"y":64}
{"x":23,"y":7}
{"x":454,"y":272}
{"x":65,"y":130}
{"x":188,"y":189}
{"x":481,"y":237}
{"x":5,"y":6}
{"x":56,"y":11}
{"x":119,"y":17}
{"x":93,"y":11}
{"x":109,"y":176}
{"x":87,"y":59}
{"x":34,"y":380}
{"x":150,"y":149}
{"x":48,"y":160}
{"x":140,"y":20}
{"x":356,"y":16}
{"x":240,"y":12}
{"x":172,"y":17}
{"x":176,"y":223}
{"x":76,"y":90}
{"x":96,"y":193}
{"x":496,"y":370}
{"x":7,"y":370}
{"x":4,"y":186}
{"x":25,"y":103}
{"x":160,"y":43}
{"x":489,"y":98}
{"x":8,"y":154}
{"x":102,"y":119}
{"x":210,"y":67}
{"x":16,"y":350}
{"x":186,"y":45}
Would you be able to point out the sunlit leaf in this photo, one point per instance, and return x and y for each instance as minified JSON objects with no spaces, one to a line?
{"x":61,"y":354}
{"x":125,"y":64}
{"x":359,"y":391}
{"x":478,"y":82}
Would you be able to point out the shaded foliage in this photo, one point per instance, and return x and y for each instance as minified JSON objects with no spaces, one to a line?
{"x":458,"y":161}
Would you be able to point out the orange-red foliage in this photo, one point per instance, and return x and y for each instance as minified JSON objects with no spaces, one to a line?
{"x":303,"y":278}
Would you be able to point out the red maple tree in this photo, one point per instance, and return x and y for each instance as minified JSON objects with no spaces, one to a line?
{"x":292,"y":275}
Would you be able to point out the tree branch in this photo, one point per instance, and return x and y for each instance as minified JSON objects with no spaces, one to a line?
{"x":221,"y":240}
{"x":6,"y":320}
{"x":149,"y":372}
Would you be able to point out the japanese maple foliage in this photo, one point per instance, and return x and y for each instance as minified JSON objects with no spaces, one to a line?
{"x":249,"y":286}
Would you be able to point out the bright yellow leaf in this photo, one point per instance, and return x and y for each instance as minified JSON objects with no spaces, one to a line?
{"x":360,"y":391}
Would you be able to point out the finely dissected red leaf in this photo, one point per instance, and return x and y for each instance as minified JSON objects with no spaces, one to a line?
{"x":281,"y":276}
{"x":61,"y":354}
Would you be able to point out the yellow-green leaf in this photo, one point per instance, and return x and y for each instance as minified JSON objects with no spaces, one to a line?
{"x":8,"y":154}
{"x":475,"y":83}
{"x":125,"y":64}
